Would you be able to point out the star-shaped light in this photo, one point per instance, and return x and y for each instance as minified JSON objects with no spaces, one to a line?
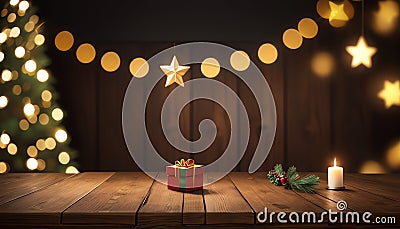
{"x":174,"y":72}
{"x":390,"y":93}
{"x":337,"y":12}
{"x":362,"y":53}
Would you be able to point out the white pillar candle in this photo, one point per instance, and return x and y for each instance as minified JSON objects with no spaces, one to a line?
{"x":335,"y":176}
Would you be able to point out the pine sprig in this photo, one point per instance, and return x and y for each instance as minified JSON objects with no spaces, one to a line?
{"x":305,"y":184}
{"x":278,"y":169}
{"x":292,"y":180}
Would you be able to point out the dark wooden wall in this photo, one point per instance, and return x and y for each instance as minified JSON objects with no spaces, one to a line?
{"x":318,"y":118}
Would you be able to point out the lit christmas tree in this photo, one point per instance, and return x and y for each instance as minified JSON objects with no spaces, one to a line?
{"x":32,"y":137}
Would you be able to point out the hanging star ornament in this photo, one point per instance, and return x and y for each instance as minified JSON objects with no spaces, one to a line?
{"x":390,"y":93}
{"x":361,"y":53}
{"x":174,"y":72}
{"x":337,"y":12}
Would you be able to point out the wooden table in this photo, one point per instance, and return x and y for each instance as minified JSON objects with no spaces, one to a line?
{"x":108,"y":199}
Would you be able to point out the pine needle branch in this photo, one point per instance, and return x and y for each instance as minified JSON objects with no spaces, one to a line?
{"x":305,"y":184}
{"x":278,"y":169}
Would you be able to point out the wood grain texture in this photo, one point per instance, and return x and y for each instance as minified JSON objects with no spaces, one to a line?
{"x":225,"y":204}
{"x":45,"y":206}
{"x":193,"y":208}
{"x":163,"y":207}
{"x":116,"y":201}
{"x":261,"y":194}
{"x":16,"y":185}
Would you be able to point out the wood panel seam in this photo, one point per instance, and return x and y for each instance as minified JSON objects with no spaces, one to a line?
{"x":253,"y":211}
{"x":144,"y":201}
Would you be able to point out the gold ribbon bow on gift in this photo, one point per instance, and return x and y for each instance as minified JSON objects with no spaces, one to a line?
{"x":185,"y":163}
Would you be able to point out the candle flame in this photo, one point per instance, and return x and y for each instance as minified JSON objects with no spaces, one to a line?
{"x":334,"y":162}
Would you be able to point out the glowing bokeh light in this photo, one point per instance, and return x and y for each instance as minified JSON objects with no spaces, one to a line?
{"x":372,"y":167}
{"x":57,"y":114}
{"x":361,"y":53}
{"x":5,"y":138}
{"x":29,"y":109}
{"x":390,"y":93}
{"x":23,"y":124}
{"x":40,"y":144}
{"x":14,"y":2}
{"x":32,"y":151}
{"x":64,"y":40}
{"x":39,"y":39}
{"x":86,"y":53}
{"x":63,"y":158}
{"x":322,"y":64}
{"x":50,"y":143}
{"x":3,"y":167}
{"x":267,"y":53}
{"x":308,"y":28}
{"x":44,"y":119}
{"x":41,"y":165}
{"x":12,"y":149}
{"x":393,"y":156}
{"x":110,"y":61}
{"x":210,"y":67}
{"x":31,"y":163}
{"x":30,"y":65}
{"x":24,"y":5}
{"x":6,"y":75}
{"x":42,"y":75}
{"x":71,"y":170}
{"x":292,"y":39}
{"x":240,"y":61}
{"x":61,"y":135}
{"x":19,"y":52}
{"x":139,"y":67}
{"x":3,"y":101}
{"x":15,"y":31}
{"x":385,"y":20}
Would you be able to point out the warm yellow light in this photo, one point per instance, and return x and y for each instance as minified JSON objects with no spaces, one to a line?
{"x":30,"y":45}
{"x":30,"y":65}
{"x":32,"y":163}
{"x":29,"y":109}
{"x":12,"y":149}
{"x":40,"y":144}
{"x":32,"y":151}
{"x":39,"y":39}
{"x":308,"y":28}
{"x":15,"y":31}
{"x":63,"y":158}
{"x":17,"y":89}
{"x":3,"y":37}
{"x":5,"y":138}
{"x":32,"y":119}
{"x":386,"y":18}
{"x":337,"y":12}
{"x":139,"y":67}
{"x":57,"y":114}
{"x":361,"y":53}
{"x":240,"y":61}
{"x":11,"y":17}
{"x":322,"y":64}
{"x":46,"y":95}
{"x":1,"y":56}
{"x":3,"y":167}
{"x":50,"y":143}
{"x":29,"y":26}
{"x":210,"y":67}
{"x":267,"y":53}
{"x":390,"y":93}
{"x":43,"y":119}
{"x":19,"y":52}
{"x":61,"y":135}
{"x":393,"y":156}
{"x":110,"y":61}
{"x":41,"y":165}
{"x":3,"y":101}
{"x":6,"y":75}
{"x":46,"y":104}
{"x":71,"y":170}
{"x":86,"y":53}
{"x":34,"y":19}
{"x":23,"y":124}
{"x":372,"y":167}
{"x":323,"y":8}
{"x":292,"y":39}
{"x":14,"y":2}
{"x":64,"y":40}
{"x":24,"y":5}
{"x":42,"y":75}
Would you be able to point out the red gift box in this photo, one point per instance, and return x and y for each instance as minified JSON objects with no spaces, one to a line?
{"x":185,"y":177}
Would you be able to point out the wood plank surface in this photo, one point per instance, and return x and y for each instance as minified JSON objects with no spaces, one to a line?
{"x":45,"y":206}
{"x":260,"y":193}
{"x":15,"y":185}
{"x":224,"y":204}
{"x":115,"y":201}
{"x":162,"y":207}
{"x":193,"y":208}
{"x":360,"y":200}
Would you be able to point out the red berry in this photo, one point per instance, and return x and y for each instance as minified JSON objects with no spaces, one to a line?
{"x":283,"y":180}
